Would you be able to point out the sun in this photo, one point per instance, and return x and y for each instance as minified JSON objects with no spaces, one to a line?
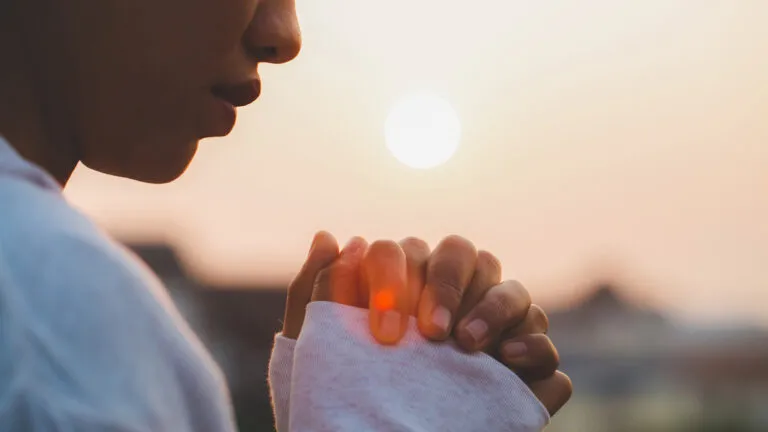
{"x":422,"y":131}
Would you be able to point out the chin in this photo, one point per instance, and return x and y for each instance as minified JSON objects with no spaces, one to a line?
{"x":156,"y":167}
{"x":157,"y":176}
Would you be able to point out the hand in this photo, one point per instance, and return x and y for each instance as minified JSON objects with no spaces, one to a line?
{"x":392,"y":284}
{"x":455,"y":283}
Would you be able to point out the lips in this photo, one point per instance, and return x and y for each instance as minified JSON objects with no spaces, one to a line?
{"x":238,"y":95}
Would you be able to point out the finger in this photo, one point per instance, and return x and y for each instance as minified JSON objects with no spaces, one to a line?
{"x":532,"y":357}
{"x":385,"y":270}
{"x":323,"y":251}
{"x":416,"y":259}
{"x":449,"y":272}
{"x":535,"y":322}
{"x":339,"y":282}
{"x":487,"y":275}
{"x":553,"y":392}
{"x":503,"y":305}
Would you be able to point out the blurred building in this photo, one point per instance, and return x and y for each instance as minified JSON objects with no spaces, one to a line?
{"x":633,"y":369}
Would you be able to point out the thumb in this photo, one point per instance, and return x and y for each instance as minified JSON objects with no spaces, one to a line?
{"x":323,"y":251}
{"x":340,"y":282}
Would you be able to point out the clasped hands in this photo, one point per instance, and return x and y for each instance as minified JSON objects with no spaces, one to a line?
{"x":454,"y":291}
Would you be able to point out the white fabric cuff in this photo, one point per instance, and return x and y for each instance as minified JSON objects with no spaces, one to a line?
{"x":343,"y":380}
{"x":279,"y":376}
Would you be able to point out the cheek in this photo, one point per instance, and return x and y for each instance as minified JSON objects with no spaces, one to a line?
{"x":140,"y":89}
{"x":142,"y":137}
{"x":205,"y":33}
{"x":144,"y":80}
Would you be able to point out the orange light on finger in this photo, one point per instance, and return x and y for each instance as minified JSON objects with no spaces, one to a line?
{"x":384,"y":300}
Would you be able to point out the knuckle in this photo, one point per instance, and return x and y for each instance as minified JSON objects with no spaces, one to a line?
{"x":549,"y":353}
{"x":384,"y":245}
{"x":446,"y":271}
{"x":544,"y":359}
{"x":555,"y":365}
{"x":565,"y":384}
{"x":500,"y":305}
{"x":450,"y":289}
{"x":382,"y":253}
{"x":458,"y":242}
{"x":538,"y":317}
{"x":511,"y":298}
{"x":518,"y":291}
{"x":414,"y":243}
{"x":416,"y":251}
{"x":295,"y":284}
{"x":488,"y":262}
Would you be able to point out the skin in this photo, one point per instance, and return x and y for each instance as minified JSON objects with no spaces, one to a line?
{"x":354,"y":276}
{"x":127,"y":88}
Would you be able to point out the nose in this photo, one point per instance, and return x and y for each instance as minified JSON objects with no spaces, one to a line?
{"x":273,"y":35}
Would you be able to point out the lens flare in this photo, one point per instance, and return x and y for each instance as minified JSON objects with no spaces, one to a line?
{"x":384,"y":300}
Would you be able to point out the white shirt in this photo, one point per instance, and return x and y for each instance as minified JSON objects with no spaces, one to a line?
{"x":89,"y":340}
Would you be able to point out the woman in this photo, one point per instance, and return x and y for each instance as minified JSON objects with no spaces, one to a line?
{"x":88,"y":338}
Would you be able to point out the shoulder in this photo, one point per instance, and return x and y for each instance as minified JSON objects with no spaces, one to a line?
{"x":83,"y":322}
{"x":71,"y":279}
{"x":38,"y":227}
{"x":50,"y":254}
{"x":66,"y":288}
{"x":45,"y":243}
{"x":86,"y":330}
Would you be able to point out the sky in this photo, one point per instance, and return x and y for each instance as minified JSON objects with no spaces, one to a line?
{"x":600,"y":139}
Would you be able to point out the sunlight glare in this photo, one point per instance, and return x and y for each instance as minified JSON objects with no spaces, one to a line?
{"x":422,"y":131}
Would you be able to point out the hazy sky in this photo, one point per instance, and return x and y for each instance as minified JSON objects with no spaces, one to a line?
{"x":599,"y":137}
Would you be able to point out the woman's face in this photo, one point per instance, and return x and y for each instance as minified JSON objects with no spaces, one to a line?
{"x":137,"y":83}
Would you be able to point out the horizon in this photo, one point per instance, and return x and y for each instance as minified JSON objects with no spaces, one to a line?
{"x":153,"y":253}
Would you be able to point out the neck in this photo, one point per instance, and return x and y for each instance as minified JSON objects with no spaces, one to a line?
{"x":27,"y":119}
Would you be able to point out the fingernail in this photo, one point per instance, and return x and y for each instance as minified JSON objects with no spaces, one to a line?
{"x":514,"y":349}
{"x":389,"y":325}
{"x":478,"y":329}
{"x":441,"y":318}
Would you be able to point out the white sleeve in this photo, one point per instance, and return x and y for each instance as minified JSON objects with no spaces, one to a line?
{"x":342,"y":380}
{"x":279,"y":377}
